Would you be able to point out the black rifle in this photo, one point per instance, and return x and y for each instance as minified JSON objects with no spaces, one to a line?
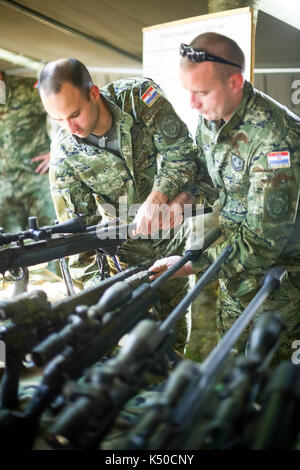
{"x":91,"y":339}
{"x":229,"y":404}
{"x":88,"y":418}
{"x":55,"y":242}
{"x":119,"y":309}
{"x":237,"y":394}
{"x":190,"y":385}
{"x":29,"y":318}
{"x":43,"y":233}
{"x":55,"y":245}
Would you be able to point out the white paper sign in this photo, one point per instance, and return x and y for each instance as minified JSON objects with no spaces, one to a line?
{"x":161,"y":52}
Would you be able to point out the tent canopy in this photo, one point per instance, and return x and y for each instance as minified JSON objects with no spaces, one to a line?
{"x":108,"y":33}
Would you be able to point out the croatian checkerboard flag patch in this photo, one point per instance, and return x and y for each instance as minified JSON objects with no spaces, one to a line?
{"x":279,"y":160}
{"x":150,"y":96}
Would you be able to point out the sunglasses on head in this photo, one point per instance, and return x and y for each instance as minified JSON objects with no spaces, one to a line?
{"x":197,"y":55}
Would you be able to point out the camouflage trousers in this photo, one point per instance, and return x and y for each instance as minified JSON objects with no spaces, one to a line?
{"x":29,"y":196}
{"x":285,"y":301}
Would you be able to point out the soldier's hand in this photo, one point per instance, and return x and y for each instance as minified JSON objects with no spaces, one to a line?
{"x":152,"y":214}
{"x":161,"y":265}
{"x":155,"y":214}
{"x":176,"y":206}
{"x":43,"y":167}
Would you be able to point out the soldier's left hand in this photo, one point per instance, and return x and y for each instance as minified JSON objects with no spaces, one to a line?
{"x":177,"y":206}
{"x":161,"y":265}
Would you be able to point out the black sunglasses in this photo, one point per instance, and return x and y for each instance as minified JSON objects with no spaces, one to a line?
{"x":197,"y":55}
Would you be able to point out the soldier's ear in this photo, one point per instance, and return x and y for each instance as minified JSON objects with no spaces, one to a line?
{"x":94,"y":92}
{"x":236,"y":82}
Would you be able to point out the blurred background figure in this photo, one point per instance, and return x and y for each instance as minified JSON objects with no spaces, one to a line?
{"x":24,"y":155}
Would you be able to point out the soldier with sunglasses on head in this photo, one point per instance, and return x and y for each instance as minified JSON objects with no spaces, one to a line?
{"x":248,"y":150}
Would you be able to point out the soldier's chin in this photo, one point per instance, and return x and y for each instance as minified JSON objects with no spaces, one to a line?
{"x":207,"y":116}
{"x":81,"y":134}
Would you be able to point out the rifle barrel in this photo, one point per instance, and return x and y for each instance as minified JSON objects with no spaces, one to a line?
{"x":190,"y":297}
{"x":215,"y":359}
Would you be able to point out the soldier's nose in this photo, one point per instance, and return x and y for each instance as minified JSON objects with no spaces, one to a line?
{"x":71,"y":127}
{"x":194,"y":101}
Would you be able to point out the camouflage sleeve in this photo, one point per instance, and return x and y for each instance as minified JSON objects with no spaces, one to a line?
{"x":203,"y":181}
{"x":171,"y":139}
{"x":273,"y":204}
{"x":70,"y":197}
{"x":202,"y":186}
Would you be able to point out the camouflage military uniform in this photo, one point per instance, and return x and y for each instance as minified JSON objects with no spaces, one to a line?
{"x":23,"y":135}
{"x":254,"y":162}
{"x":85,"y":178}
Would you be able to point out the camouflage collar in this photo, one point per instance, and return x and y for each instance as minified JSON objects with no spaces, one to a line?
{"x":118,"y":114}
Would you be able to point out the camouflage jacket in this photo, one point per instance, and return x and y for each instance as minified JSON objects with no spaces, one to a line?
{"x":157,"y":153}
{"x":83,"y":177}
{"x":254,"y":162}
{"x":23,"y":133}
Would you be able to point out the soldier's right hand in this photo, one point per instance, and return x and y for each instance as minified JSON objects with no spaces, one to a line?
{"x":150,"y":216}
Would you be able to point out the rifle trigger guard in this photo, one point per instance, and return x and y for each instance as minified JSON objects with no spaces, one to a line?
{"x":11,"y":277}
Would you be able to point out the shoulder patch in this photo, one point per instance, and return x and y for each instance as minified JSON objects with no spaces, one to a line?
{"x":237,"y":163}
{"x":278,"y":204}
{"x":150,"y":96}
{"x":170,"y":126}
{"x":279,"y":160}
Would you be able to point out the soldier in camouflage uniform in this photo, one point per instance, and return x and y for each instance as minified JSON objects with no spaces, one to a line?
{"x":108,"y":151}
{"x":250,"y":146}
{"x":23,"y":136}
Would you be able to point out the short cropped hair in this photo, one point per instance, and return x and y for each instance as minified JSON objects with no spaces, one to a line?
{"x":221,"y":46}
{"x":55,"y":74}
